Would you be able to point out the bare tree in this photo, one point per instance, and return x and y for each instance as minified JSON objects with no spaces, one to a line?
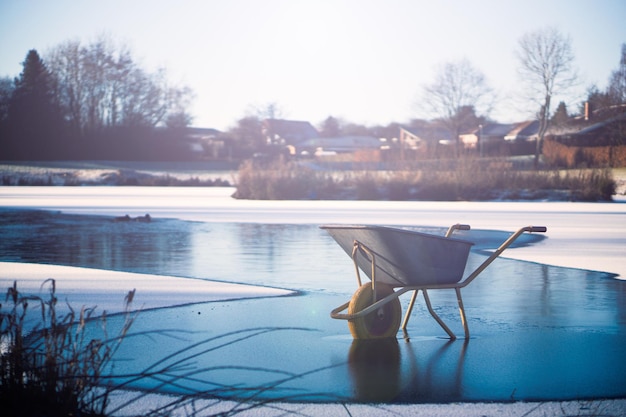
{"x":65,"y":63}
{"x":269,"y":110}
{"x":179,"y":100}
{"x":457,"y":87}
{"x":100,"y":85}
{"x":617,"y":82}
{"x":547,"y":68}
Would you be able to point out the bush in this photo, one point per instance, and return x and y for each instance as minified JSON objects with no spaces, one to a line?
{"x":367,"y":187}
{"x":280,"y":180}
{"x":467,"y":179}
{"x":593,"y":185}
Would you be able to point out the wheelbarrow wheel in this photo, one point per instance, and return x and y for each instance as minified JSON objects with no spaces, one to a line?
{"x":381,"y":323}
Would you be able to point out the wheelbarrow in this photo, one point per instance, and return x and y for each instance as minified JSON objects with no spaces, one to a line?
{"x":399,"y":261}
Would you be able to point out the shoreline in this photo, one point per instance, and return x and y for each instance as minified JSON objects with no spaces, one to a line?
{"x":182,"y":174}
{"x":134,"y":403}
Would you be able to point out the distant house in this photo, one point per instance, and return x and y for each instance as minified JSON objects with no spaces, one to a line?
{"x":602,"y":126}
{"x":488,"y":134}
{"x":287,"y":132}
{"x":596,"y":138}
{"x":204,"y":141}
{"x":343,"y":144}
{"x":610,"y":131}
{"x":411,"y":138}
{"x":201,"y":133}
{"x":524,"y":131}
{"x":423,"y":136}
{"x":183,"y":143}
{"x":471,"y":139}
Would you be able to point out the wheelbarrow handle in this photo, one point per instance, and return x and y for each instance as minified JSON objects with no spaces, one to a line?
{"x":497,"y":252}
{"x":457,"y":226}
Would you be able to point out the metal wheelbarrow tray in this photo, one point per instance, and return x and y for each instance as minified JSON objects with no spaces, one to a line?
{"x":410,"y":261}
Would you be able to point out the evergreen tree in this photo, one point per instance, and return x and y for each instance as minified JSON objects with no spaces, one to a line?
{"x":560,"y":117}
{"x":34,"y":122}
{"x":596,"y":99}
{"x":330,"y":128}
{"x":6,"y":91}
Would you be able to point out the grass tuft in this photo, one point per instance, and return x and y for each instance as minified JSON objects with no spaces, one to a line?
{"x":51,"y":365}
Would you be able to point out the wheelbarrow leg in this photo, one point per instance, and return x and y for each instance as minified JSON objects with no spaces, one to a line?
{"x":409,"y":310}
{"x":462,"y":312}
{"x":436,"y":317}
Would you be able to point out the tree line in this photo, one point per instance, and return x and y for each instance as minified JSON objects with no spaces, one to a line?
{"x":461,"y":99}
{"x":94,"y":101}
{"x":88,"y":101}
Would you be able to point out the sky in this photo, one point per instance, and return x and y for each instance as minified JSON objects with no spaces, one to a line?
{"x":362,"y":61}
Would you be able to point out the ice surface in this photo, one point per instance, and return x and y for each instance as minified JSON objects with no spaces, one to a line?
{"x":580,"y":235}
{"x":589,"y":236}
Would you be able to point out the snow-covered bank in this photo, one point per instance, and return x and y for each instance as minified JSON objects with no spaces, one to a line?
{"x":107,"y":289}
{"x":136,"y":403}
{"x":111,"y":173}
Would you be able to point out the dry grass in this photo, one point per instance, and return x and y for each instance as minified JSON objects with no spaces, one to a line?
{"x":52,"y":365}
{"x":468,"y":180}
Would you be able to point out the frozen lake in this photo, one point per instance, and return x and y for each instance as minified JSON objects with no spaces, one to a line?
{"x":549,"y":318}
{"x":581,"y":235}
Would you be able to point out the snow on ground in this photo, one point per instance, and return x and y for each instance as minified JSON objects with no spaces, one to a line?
{"x":134,"y":403}
{"x":107,"y":289}
{"x":106,"y":173}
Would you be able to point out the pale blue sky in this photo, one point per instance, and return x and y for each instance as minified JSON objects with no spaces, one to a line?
{"x":361,"y":60}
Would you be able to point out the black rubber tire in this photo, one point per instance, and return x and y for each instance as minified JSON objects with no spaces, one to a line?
{"x":379,"y":324}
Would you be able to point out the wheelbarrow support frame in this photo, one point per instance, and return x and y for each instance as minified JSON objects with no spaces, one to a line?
{"x":376,"y":304}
